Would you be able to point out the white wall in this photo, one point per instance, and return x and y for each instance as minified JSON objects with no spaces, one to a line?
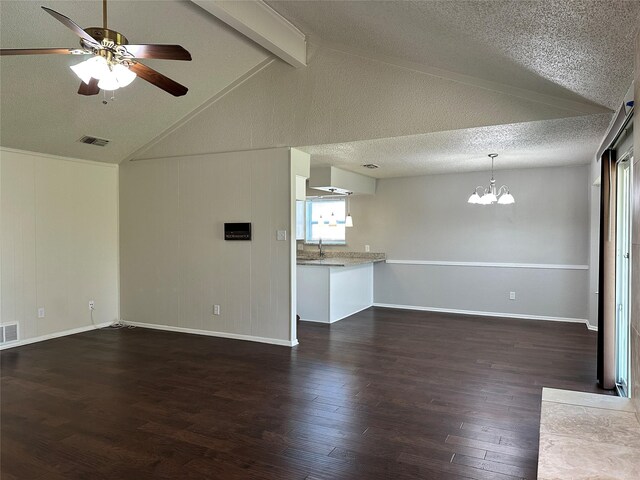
{"x":428,"y":218}
{"x":175,"y":263}
{"x":59,"y":242}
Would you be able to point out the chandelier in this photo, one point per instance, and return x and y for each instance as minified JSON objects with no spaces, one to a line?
{"x":491,"y":194}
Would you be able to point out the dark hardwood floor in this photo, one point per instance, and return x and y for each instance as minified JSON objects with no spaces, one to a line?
{"x":384,"y":394}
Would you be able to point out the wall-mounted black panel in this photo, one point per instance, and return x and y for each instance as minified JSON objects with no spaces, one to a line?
{"x":237,"y":231}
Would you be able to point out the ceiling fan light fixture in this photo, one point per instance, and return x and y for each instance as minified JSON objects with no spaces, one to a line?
{"x":123,"y":75}
{"x":96,"y":67}
{"x":118,"y":76}
{"x":111,"y":77}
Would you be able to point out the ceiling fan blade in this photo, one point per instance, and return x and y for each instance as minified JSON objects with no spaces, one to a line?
{"x":42,"y":51}
{"x":164,"y":52}
{"x":70,"y":24}
{"x":91,"y":89}
{"x":159,"y":80}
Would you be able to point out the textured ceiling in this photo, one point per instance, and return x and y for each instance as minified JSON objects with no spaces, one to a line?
{"x":569,"y":141}
{"x":40,"y":109}
{"x":563,"y":48}
{"x":575,"y":52}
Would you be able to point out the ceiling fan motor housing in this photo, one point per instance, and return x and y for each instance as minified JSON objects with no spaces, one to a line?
{"x":100,"y":34}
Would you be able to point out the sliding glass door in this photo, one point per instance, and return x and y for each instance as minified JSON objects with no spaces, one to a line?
{"x":623,"y":277}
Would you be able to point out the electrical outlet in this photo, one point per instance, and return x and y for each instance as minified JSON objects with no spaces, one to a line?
{"x":216,"y":309}
{"x":92,"y":304}
{"x":512,"y":295}
{"x":367,"y":248}
{"x":41,"y":312}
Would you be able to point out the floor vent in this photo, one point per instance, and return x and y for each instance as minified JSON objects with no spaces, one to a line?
{"x":8,"y":333}
{"x":99,"y":142}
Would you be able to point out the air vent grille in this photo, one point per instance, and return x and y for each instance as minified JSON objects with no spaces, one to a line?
{"x":371,"y":165}
{"x":99,"y":142}
{"x":8,"y":333}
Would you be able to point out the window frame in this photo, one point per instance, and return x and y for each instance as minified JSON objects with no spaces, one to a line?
{"x":309,"y":221}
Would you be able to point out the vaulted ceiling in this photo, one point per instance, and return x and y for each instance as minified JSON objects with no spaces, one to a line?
{"x":447,"y":79}
{"x":574,"y":49}
{"x":40,"y":109}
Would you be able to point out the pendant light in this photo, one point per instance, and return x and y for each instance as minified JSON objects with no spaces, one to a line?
{"x":491,"y":194}
{"x":348,"y":222}
{"x":332,"y":219}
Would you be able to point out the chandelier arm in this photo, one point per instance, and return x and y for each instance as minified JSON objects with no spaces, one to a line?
{"x":505,"y":188}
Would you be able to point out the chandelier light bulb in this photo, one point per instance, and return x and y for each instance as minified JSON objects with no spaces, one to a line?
{"x":475,"y":199}
{"x":506,"y":199}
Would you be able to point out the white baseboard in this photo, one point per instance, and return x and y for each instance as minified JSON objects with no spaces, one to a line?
{"x":358,"y":310}
{"x":195,"y":331}
{"x":592,"y":327}
{"x":50,"y":336}
{"x":486,"y":314}
{"x":314,"y":321}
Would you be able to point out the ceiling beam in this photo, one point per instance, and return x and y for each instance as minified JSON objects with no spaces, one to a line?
{"x":262,"y":24}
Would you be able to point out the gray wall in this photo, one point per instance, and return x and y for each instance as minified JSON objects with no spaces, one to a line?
{"x":58,"y":243}
{"x":175,"y":264}
{"x":428,"y":218}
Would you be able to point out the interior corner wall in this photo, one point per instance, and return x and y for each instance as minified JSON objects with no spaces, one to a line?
{"x":58,"y":243}
{"x":175,"y":263}
{"x":427,"y":218}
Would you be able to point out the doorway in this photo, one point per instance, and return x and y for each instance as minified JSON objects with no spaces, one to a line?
{"x":623,"y":274}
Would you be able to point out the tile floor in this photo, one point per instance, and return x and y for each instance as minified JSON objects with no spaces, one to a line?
{"x":587,"y":436}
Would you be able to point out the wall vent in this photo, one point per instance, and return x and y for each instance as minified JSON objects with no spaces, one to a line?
{"x":8,"y":333}
{"x":99,"y":142}
{"x":371,"y":165}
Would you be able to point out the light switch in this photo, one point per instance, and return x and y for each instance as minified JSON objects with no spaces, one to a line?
{"x":281,"y":235}
{"x":41,"y":312}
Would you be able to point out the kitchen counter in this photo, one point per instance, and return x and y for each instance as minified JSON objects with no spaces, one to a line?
{"x":338,"y":261}
{"x":343,"y":287}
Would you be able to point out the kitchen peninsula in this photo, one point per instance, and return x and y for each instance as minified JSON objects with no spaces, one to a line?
{"x":334,"y":286}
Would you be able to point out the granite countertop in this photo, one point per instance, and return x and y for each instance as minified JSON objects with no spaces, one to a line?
{"x":339,"y":259}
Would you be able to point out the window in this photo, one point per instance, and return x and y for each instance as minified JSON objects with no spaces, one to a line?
{"x":319,"y":212}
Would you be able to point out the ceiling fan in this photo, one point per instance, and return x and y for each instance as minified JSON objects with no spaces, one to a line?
{"x":113,"y":63}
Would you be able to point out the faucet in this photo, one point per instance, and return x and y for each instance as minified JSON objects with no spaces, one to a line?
{"x":320,"y":248}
